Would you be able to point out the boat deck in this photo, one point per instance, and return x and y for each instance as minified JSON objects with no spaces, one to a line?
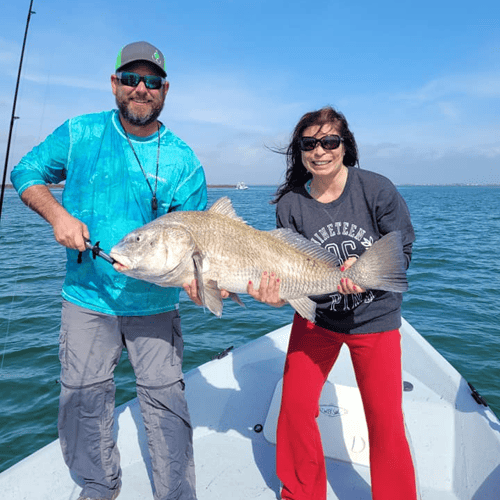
{"x":234,"y":404}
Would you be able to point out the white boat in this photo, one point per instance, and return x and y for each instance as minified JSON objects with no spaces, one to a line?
{"x":234,"y":403}
{"x":241,"y":185}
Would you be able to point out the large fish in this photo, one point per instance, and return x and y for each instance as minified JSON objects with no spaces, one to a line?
{"x":223,"y":253}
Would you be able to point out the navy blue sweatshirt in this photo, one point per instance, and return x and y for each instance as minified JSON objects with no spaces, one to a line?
{"x":369,"y":207}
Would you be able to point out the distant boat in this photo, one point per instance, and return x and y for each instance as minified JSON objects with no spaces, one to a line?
{"x":241,"y":185}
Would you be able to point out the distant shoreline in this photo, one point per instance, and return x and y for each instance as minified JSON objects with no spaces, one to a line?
{"x":233,"y":186}
{"x":210,"y":186}
{"x":458,"y":184}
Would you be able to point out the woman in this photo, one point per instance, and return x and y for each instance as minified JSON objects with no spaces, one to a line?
{"x":344,"y":209}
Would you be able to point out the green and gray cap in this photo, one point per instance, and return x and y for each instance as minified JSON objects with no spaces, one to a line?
{"x":140,"y":51}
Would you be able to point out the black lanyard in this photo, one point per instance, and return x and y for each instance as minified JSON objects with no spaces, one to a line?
{"x":154,"y":200}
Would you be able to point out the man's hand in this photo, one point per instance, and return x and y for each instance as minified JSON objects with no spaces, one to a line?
{"x":192,"y":290}
{"x":68,"y":230}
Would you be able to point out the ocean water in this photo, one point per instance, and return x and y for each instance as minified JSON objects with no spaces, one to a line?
{"x":453,"y":302}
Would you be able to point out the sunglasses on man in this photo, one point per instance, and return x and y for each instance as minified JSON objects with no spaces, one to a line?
{"x":152,"y":82}
{"x":328,"y":142}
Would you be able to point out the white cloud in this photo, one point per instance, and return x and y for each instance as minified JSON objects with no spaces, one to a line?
{"x":9,"y":54}
{"x":449,"y":110}
{"x":232,"y":101}
{"x":433,"y":165}
{"x":479,"y":85}
{"x":229,"y":120}
{"x":73,"y":82}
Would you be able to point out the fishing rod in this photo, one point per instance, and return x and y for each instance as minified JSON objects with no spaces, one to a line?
{"x":14,"y":117}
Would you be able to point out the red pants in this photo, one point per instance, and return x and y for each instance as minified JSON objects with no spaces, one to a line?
{"x":376,"y":358}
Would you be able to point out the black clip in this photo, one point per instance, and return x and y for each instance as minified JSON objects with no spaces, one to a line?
{"x":96,"y":250}
{"x":224,"y":353}
{"x":477,"y":397}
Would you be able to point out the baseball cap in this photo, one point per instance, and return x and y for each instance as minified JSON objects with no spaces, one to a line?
{"x":140,"y":51}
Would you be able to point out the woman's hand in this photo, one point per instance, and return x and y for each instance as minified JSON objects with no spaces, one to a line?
{"x":346,"y":286}
{"x":268,"y":291}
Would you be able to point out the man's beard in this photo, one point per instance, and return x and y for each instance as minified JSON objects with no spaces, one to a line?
{"x":139,"y":120}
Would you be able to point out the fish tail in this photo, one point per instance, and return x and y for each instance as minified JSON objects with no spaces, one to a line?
{"x":382,"y":266}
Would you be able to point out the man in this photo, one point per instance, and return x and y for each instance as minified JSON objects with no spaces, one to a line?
{"x":122,"y":168}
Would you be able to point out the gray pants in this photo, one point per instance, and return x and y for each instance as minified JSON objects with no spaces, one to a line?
{"x":90,"y":347}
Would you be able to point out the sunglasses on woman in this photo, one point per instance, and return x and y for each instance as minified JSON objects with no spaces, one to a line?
{"x":152,"y":82}
{"x":328,"y":142}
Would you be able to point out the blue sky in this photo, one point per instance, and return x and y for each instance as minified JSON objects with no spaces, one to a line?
{"x":419,"y":82}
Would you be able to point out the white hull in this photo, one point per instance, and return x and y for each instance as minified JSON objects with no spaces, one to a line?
{"x":455,"y":440}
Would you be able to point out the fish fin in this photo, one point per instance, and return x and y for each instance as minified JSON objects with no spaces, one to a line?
{"x":236,"y":298}
{"x":306,"y":246}
{"x":305,"y":307}
{"x":382,"y":266}
{"x":208,"y":291}
{"x":212,"y":298}
{"x":223,"y":206}
{"x":198,"y":274}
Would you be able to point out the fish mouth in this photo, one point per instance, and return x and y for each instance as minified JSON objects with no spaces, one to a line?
{"x":119,"y":267}
{"x":121,"y":263}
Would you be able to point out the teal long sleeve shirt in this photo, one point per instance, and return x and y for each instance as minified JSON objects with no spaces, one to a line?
{"x":106,"y":189}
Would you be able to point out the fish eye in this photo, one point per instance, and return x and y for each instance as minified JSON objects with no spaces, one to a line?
{"x":137,"y":238}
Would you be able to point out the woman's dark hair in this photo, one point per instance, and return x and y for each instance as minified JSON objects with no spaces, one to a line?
{"x":296,"y":173}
